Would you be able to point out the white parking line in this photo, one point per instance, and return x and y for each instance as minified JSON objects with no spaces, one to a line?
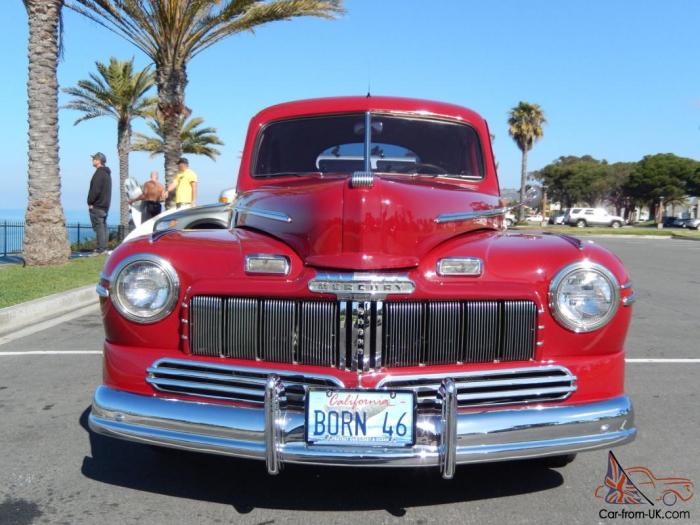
{"x":662,"y":360}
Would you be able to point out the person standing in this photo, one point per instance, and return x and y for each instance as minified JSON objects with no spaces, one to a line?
{"x":99,"y":198}
{"x":184,"y":185}
{"x":153,"y":194}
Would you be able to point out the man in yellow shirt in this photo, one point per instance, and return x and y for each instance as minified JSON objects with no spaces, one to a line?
{"x":184,"y":185}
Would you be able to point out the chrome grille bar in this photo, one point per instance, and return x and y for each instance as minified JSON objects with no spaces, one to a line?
{"x":247,"y":384}
{"x":491,"y":387}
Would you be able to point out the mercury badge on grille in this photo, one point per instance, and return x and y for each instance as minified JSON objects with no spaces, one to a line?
{"x":361,"y":285}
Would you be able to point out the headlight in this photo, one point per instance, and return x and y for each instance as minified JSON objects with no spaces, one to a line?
{"x":145,"y":288}
{"x":584,"y":296}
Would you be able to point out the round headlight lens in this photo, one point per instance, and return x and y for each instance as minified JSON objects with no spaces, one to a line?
{"x":584,"y":297}
{"x":145,"y":288}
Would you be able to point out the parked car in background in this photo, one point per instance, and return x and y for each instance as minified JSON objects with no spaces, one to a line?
{"x":510,"y":219}
{"x":366,"y":308}
{"x":206,"y":217}
{"x":693,"y":224}
{"x":559,"y":217}
{"x":583,"y":217}
{"x":537,"y":218}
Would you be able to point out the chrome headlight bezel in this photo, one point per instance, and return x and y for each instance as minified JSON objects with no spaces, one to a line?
{"x":581,"y":326}
{"x":173,"y":288}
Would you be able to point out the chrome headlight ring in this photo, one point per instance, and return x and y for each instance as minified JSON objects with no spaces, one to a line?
{"x":611,"y":296}
{"x":165,"y":273}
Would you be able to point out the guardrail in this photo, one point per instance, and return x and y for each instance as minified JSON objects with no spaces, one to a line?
{"x":81,"y":236}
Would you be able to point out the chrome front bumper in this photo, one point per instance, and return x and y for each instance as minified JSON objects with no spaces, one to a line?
{"x":445,"y":440}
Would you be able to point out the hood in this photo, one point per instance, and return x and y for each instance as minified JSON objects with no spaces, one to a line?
{"x":388,"y":225}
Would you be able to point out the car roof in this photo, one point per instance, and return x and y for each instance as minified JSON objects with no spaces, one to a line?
{"x":350,"y":104}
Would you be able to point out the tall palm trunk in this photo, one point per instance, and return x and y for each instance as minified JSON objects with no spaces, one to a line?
{"x":123,"y":148}
{"x":45,"y":239}
{"x":523,"y":183}
{"x":171,"y":94}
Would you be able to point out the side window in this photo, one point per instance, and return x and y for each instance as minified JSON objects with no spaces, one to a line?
{"x":576,"y":211}
{"x":589,"y":212}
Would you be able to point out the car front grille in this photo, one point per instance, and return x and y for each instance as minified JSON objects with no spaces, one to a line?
{"x":200,"y":379}
{"x":491,"y":387}
{"x":474,"y":389}
{"x":362,"y":335}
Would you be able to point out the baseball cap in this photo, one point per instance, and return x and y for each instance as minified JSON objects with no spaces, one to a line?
{"x":184,"y":161}
{"x":101,"y":157}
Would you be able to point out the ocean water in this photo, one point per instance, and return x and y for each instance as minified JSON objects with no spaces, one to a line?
{"x":77,"y":221}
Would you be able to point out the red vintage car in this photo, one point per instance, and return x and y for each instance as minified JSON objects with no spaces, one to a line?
{"x":366,"y":307}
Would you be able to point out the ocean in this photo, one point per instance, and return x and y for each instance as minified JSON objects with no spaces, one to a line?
{"x":77,"y":221}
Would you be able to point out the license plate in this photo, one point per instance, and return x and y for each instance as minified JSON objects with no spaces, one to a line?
{"x":360,"y":418}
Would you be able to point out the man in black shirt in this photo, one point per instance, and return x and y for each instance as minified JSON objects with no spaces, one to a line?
{"x":98,"y":200}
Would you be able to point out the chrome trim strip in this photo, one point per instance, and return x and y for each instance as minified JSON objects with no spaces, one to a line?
{"x":342,"y":331}
{"x":359,"y":285}
{"x":274,"y":423}
{"x":467,"y":376}
{"x":468,"y":215}
{"x":354,"y":317}
{"x":630,"y":299}
{"x":448,"y":433}
{"x":285,"y":375}
{"x":379,"y":335}
{"x":628,"y":284}
{"x":480,"y":436}
{"x":265,"y":214}
{"x":102,"y":291}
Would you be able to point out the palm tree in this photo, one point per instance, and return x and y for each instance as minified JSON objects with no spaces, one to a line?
{"x":525,"y":123}
{"x":194,"y":141}
{"x":119,"y":92}
{"x":172,"y":32}
{"x":45,"y":239}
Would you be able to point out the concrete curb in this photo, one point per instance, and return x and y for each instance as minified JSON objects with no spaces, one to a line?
{"x":683,"y":237}
{"x":19,"y":316}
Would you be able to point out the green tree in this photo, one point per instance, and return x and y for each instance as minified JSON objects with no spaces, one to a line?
{"x":45,"y":238}
{"x":195,"y":140}
{"x":119,"y":92}
{"x":572,"y":180}
{"x":525,"y":123}
{"x":172,"y":32}
{"x":664,"y":175}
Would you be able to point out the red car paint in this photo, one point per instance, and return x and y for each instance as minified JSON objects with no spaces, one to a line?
{"x":389,"y":227}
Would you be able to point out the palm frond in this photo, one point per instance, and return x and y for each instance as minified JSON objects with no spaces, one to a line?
{"x":116,"y":90}
{"x":195,"y":140}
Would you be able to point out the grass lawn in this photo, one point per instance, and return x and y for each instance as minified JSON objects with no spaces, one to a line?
{"x":18,"y":284}
{"x":632,"y":230}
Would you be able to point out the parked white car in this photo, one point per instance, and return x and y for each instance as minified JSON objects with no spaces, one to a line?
{"x":209,"y":216}
{"x":583,"y":217}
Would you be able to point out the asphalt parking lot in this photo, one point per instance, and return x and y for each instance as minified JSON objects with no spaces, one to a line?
{"x":53,"y":470}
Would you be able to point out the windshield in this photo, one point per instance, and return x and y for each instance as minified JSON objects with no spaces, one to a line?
{"x":336,"y":143}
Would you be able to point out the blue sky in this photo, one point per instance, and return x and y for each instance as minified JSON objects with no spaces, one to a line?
{"x":617,"y":79}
